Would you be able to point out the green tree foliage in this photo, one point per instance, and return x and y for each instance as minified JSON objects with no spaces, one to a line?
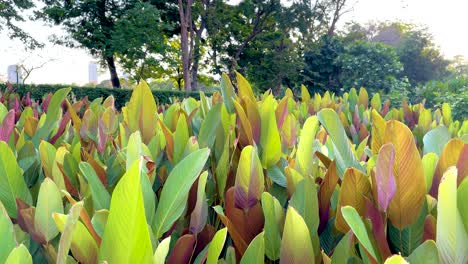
{"x":371,"y":65}
{"x":321,"y":72}
{"x":138,"y":49}
{"x":96,"y":25}
{"x":11,"y":11}
{"x":414,"y":45}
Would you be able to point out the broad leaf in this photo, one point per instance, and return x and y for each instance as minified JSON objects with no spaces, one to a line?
{"x":216,"y":245}
{"x":12,"y":183}
{"x":410,"y":192}
{"x":249,"y":183}
{"x":174,"y":194}
{"x":7,"y":234}
{"x":452,"y":238}
{"x":385,"y":180}
{"x":19,"y":255}
{"x":161,"y":251}
{"x":354,"y":190}
{"x":126,"y":237}
{"x":342,"y":149}
{"x":274,"y":219}
{"x":304,"y":155}
{"x":49,"y":201}
{"x":255,"y":253}
{"x":101,"y":198}
{"x":295,"y":229}
{"x":358,"y":227}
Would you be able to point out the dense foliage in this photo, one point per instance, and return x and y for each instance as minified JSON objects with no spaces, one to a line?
{"x":297,"y":179}
{"x":121,"y":96}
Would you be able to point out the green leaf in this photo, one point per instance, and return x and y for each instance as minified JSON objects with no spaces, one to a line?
{"x":274,"y":219}
{"x":395,"y":259}
{"x":99,"y":221}
{"x":216,"y":245}
{"x":295,"y":230}
{"x":19,"y":255}
{"x":462,"y":198}
{"x":83,"y":246}
{"x":249,"y":183}
{"x":435,"y":140}
{"x":269,"y":135}
{"x":174,"y":194}
{"x":222,"y":169}
{"x":359,"y":229}
{"x":407,"y":240}
{"x":200,"y":212}
{"x":134,"y":153}
{"x":255,"y":253}
{"x":426,"y":253}
{"x":67,"y":230}
{"x":7,"y":234}
{"x":54,"y":112}
{"x":304,"y":155}
{"x":49,"y":201}
{"x":101,"y":198}
{"x":344,"y":250}
{"x":161,"y":251}
{"x":342,"y":149}
{"x":429,"y":162}
{"x":141,"y":112}
{"x":228,"y":93}
{"x":305,"y":201}
{"x":452,"y":238}
{"x":207,"y":134}
{"x":126,"y":237}
{"x":181,"y":136}
{"x":12,"y":183}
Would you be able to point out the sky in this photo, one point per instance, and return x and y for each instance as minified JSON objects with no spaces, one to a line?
{"x":446,"y":20}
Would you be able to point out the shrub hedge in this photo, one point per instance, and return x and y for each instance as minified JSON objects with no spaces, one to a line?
{"x":121,"y":95}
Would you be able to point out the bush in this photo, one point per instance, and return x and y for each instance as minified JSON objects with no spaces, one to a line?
{"x":121,"y":95}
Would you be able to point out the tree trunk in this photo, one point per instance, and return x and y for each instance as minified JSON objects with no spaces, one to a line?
{"x":113,"y":72}
{"x":185,"y":19}
{"x":196,"y":60}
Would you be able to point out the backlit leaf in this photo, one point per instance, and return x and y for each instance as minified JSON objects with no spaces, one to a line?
{"x":12,"y":184}
{"x":126,"y":237}
{"x":410,"y":193}
{"x":295,"y":229}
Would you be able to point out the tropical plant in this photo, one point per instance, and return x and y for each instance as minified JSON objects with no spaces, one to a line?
{"x":232,"y":178}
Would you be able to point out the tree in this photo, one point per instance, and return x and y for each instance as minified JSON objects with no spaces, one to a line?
{"x":11,"y":12}
{"x":139,"y":52}
{"x":321,"y":72}
{"x":374,"y":66}
{"x":421,"y":58}
{"x":93,"y":25}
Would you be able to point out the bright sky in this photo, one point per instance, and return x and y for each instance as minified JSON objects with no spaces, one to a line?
{"x":447,"y":21}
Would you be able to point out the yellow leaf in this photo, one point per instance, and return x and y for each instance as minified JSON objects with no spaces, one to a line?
{"x":354,"y":189}
{"x":406,"y":205}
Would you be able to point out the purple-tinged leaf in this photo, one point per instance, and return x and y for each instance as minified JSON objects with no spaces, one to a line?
{"x":7,"y":125}
{"x":327,"y":187}
{"x":378,"y":228}
{"x":249,"y":183}
{"x":61,"y":129}
{"x":200,"y":212}
{"x":386,"y":186}
{"x":183,"y":249}
{"x":102,"y":137}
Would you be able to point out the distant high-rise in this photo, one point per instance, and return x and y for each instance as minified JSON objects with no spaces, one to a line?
{"x":15,"y":75}
{"x":93,"y":72}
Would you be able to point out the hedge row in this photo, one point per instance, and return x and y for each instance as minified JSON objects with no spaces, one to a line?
{"x":121,"y":95}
